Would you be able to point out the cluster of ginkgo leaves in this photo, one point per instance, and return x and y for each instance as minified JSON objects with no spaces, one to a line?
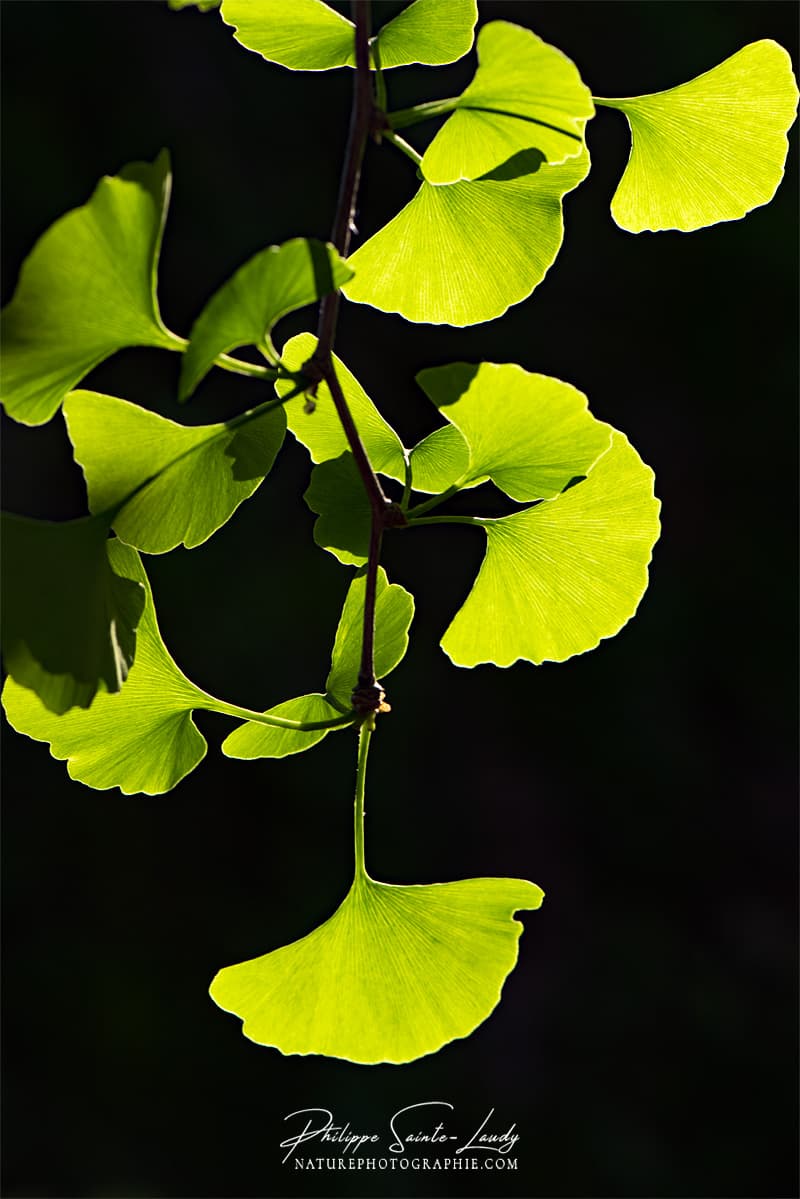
{"x":397,"y":971}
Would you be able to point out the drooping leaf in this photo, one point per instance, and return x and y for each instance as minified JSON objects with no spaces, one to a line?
{"x":321,"y":431}
{"x":525,"y":95}
{"x":164,"y":483}
{"x":87,"y":288}
{"x":710,"y":150}
{"x":314,"y":37}
{"x":244,"y":310}
{"x":561,"y":576}
{"x":68,"y":617}
{"x":336,"y":493}
{"x":530,"y":434}
{"x":142,"y":739}
{"x":394,"y":974}
{"x":394,"y":611}
{"x":464,"y":253}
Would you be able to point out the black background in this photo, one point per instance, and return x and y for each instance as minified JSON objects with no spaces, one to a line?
{"x":645,"y":1044}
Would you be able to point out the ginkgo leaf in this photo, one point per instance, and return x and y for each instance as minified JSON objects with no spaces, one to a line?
{"x":710,"y":150}
{"x":561,"y":576}
{"x":394,"y":974}
{"x":525,"y":95}
{"x":394,"y":611}
{"x":69,"y":617}
{"x":431,"y":32}
{"x":86,"y":289}
{"x":251,"y":740}
{"x":321,"y":431}
{"x":273,"y":283}
{"x":530,"y":434}
{"x":167,"y":484}
{"x":464,"y":253}
{"x":440,"y":460}
{"x":140,"y":740}
{"x":314,"y":37}
{"x":336,"y":493}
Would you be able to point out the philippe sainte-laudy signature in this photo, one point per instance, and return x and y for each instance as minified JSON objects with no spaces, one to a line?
{"x":409,"y":1129}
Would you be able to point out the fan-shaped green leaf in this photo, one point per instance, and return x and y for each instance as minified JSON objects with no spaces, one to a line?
{"x":142,"y":739}
{"x":525,"y":95}
{"x":321,"y":431}
{"x":710,"y":150}
{"x":87,"y":288}
{"x":440,"y":460}
{"x":560,"y":576}
{"x":273,"y":283}
{"x":69,"y":620}
{"x":314,"y":37}
{"x":530,"y":434}
{"x":396,"y":972}
{"x":432,"y":32}
{"x":464,"y":253}
{"x":394,"y":611}
{"x":165,"y":484}
{"x":336,"y":493}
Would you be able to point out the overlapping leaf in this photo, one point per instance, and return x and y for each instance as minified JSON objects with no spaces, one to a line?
{"x":394,"y":609}
{"x":274,"y":282}
{"x":321,"y":430}
{"x":87,"y":288}
{"x":530,"y":434}
{"x":164,"y":484}
{"x":710,"y":150}
{"x":141,"y":739}
{"x":561,"y":576}
{"x":314,"y":37}
{"x":395,"y":973}
{"x":68,"y":617}
{"x":464,"y":253}
{"x":525,"y":95}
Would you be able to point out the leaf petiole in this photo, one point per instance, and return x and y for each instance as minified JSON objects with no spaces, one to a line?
{"x":226,"y":361}
{"x":405,"y":117}
{"x":280,"y":722}
{"x":403,"y":145}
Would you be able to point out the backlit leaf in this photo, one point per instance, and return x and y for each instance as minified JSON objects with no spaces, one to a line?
{"x":87,"y":288}
{"x":273,"y":283}
{"x":432,"y":32}
{"x":525,"y":95}
{"x":321,"y":431}
{"x":710,"y":150}
{"x":530,"y":434}
{"x":68,"y":618}
{"x":394,"y":611}
{"x":560,"y":576}
{"x":394,"y":974}
{"x":464,"y":253}
{"x":142,"y":739}
{"x":336,"y":493}
{"x":170,"y":484}
{"x":440,"y":460}
{"x":314,"y":37}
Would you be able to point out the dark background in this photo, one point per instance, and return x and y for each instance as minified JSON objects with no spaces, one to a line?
{"x":646,"y":1042}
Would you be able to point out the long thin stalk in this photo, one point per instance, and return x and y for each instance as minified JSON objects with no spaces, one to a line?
{"x":364,"y":736}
